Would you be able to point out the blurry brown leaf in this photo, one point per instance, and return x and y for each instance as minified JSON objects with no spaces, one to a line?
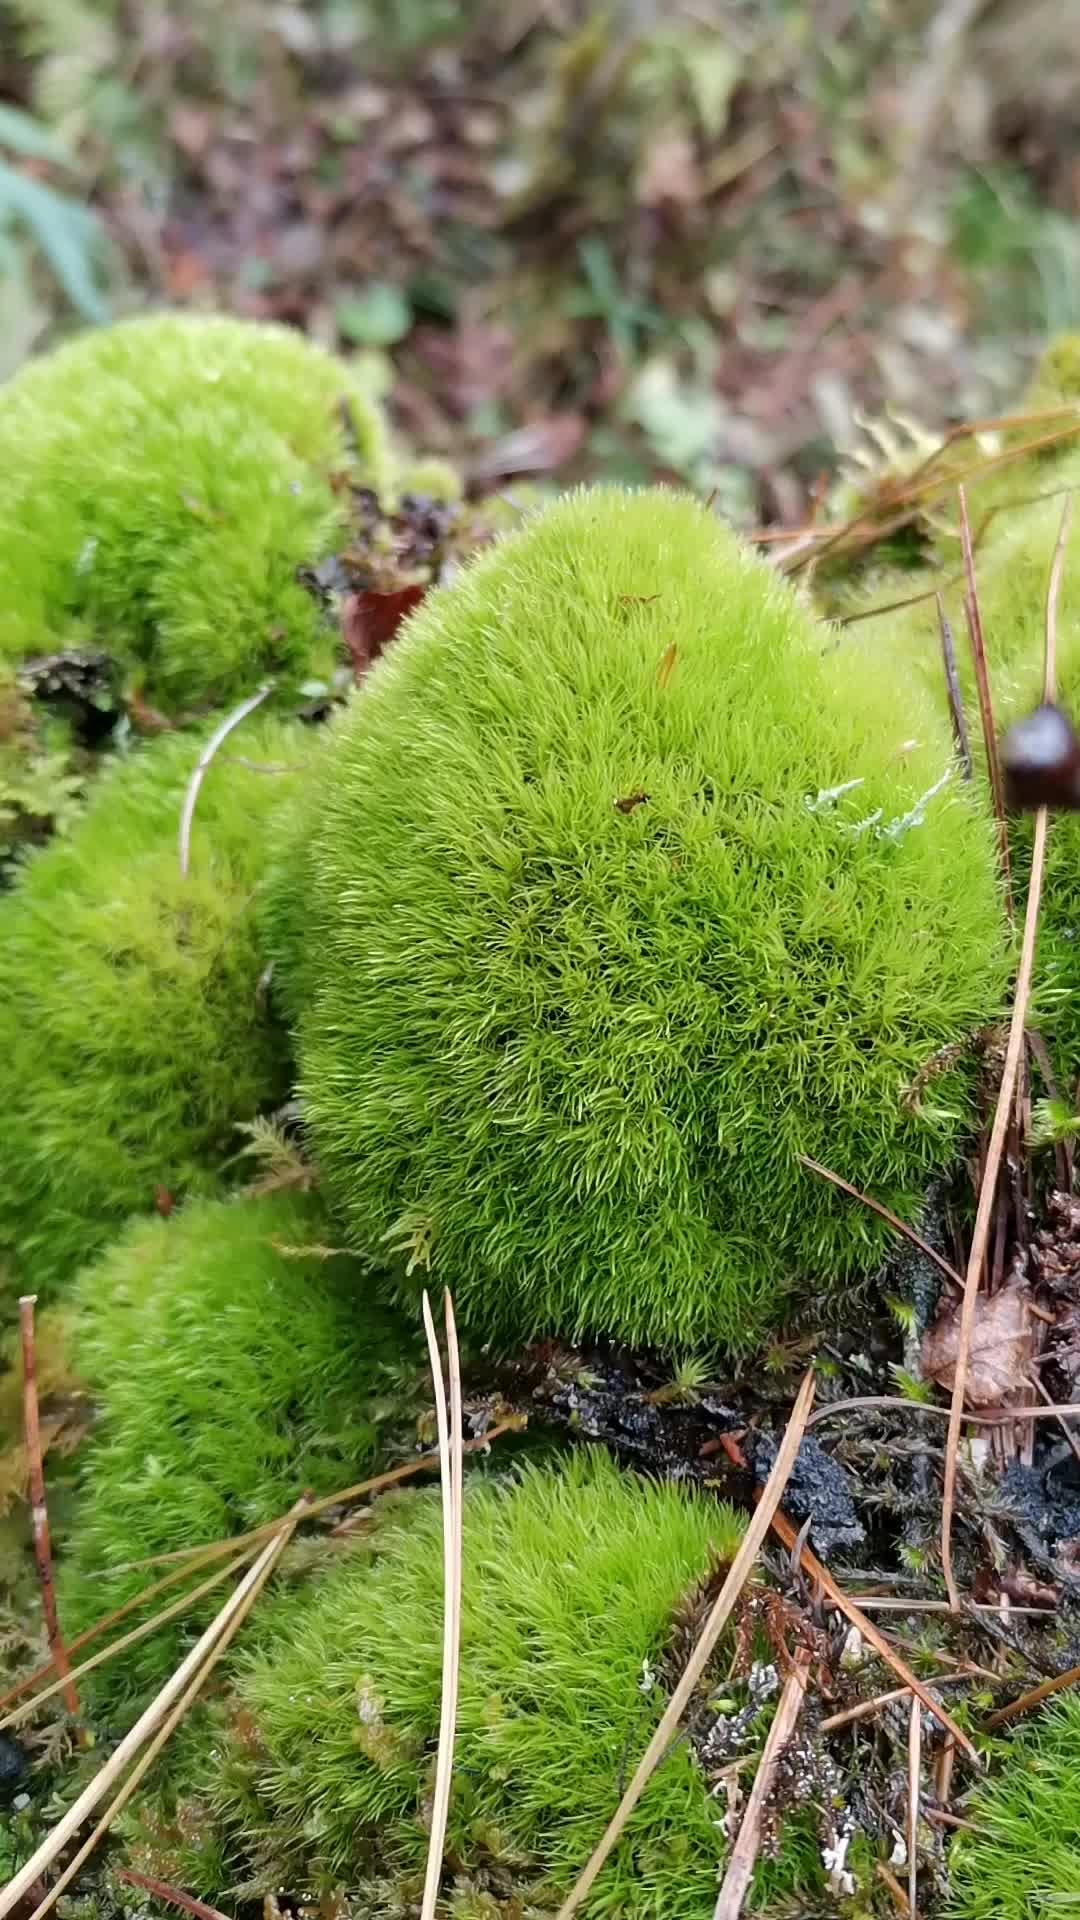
{"x":669,"y":172}
{"x":163,"y":1202}
{"x":369,"y":622}
{"x":144,"y":718}
{"x":1024,"y":1590}
{"x":191,"y":127}
{"x":1001,"y":1348}
{"x":540,"y":447}
{"x":667,"y":665}
{"x":631,"y":801}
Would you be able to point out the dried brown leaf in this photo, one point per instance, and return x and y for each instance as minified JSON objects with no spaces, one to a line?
{"x":1001,"y":1348}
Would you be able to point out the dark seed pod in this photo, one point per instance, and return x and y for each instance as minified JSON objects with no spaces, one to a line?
{"x":1041,"y":760}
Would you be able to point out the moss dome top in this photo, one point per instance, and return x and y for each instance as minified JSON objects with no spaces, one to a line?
{"x":626,"y":894}
{"x":160,"y":483}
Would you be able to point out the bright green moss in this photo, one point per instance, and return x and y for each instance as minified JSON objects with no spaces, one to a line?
{"x":1023,"y":1860}
{"x":571,"y":1038}
{"x":133,"y":1036}
{"x":161,"y":481}
{"x":229,"y":1376}
{"x":571,"y":1583}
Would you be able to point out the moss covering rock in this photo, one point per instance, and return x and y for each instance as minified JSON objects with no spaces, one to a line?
{"x":161,"y":483}
{"x":624,"y":893}
{"x":573,"y":1580}
{"x":1023,"y":1858}
{"x":232,"y":1367}
{"x":133,"y":1037}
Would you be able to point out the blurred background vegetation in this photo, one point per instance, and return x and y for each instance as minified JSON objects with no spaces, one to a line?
{"x":702,"y":239}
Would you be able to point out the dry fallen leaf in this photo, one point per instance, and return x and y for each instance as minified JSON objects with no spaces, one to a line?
{"x":667,"y":665}
{"x":1001,"y":1348}
{"x":669,"y":174}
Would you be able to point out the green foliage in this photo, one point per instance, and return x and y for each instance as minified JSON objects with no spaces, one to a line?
{"x":40,"y":781}
{"x":571,"y":1583}
{"x":67,"y":234}
{"x":1023,"y":1860}
{"x":229,"y":1376}
{"x":623,"y":892}
{"x":132,"y":1038}
{"x":161,"y":482}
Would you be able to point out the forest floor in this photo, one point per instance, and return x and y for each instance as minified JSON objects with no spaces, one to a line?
{"x":696,"y":241}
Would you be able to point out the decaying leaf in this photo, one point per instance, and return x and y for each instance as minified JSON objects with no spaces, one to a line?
{"x":1001,"y":1348}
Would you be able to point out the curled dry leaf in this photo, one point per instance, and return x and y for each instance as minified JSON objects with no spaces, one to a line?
{"x":370,"y":620}
{"x":1001,"y":1348}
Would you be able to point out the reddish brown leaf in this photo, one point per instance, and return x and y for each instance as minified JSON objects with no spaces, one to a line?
{"x":1001,"y":1348}
{"x":631,"y":801}
{"x":164,"y":1202}
{"x":370,"y":620}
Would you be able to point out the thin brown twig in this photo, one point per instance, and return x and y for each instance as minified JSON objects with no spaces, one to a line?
{"x":1013,"y":1055}
{"x":39,"y":1510}
{"x":450,"y":1457}
{"x":156,"y":1722}
{"x":744,"y":1853}
{"x":719,"y":1614}
{"x":888,"y":1877}
{"x":173,"y":1896}
{"x":1033,"y":1698}
{"x":995,"y":1417}
{"x":914,"y":1773}
{"x":866,"y":1709}
{"x":986,"y":704}
{"x":952,"y":682}
{"x":884,"y":1213}
{"x":216,"y":739}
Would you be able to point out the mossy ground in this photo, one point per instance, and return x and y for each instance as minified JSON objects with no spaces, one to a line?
{"x":1022,"y":1862}
{"x":595,"y":954}
{"x":232,"y":1367}
{"x":132,"y":1034}
{"x":573,"y":1578}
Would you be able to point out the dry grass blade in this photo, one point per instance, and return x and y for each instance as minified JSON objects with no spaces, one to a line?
{"x":986,"y":704}
{"x":1006,"y":1095}
{"x":39,"y":1511}
{"x":740,"y":1868}
{"x":186,"y":1600}
{"x":914,"y":1774}
{"x":155,"y":1724}
{"x":216,"y":739}
{"x":884,"y":1213}
{"x":173,"y":1896}
{"x":718,"y":1617}
{"x":450,"y":1454}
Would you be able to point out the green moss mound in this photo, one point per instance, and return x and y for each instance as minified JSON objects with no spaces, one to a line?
{"x":132,"y":1033}
{"x":1024,"y":1858}
{"x":161,"y":481}
{"x":232,"y":1368}
{"x":624,"y":894}
{"x":572,"y":1583}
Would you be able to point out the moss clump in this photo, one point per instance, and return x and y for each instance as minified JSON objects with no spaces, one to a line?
{"x":229,"y":1375}
{"x":596,"y":954}
{"x":572,"y":1581}
{"x":1023,"y":1859}
{"x":132,"y":1036}
{"x":161,"y":481}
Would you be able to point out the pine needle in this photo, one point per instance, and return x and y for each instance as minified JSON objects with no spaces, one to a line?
{"x":450,"y":1456}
